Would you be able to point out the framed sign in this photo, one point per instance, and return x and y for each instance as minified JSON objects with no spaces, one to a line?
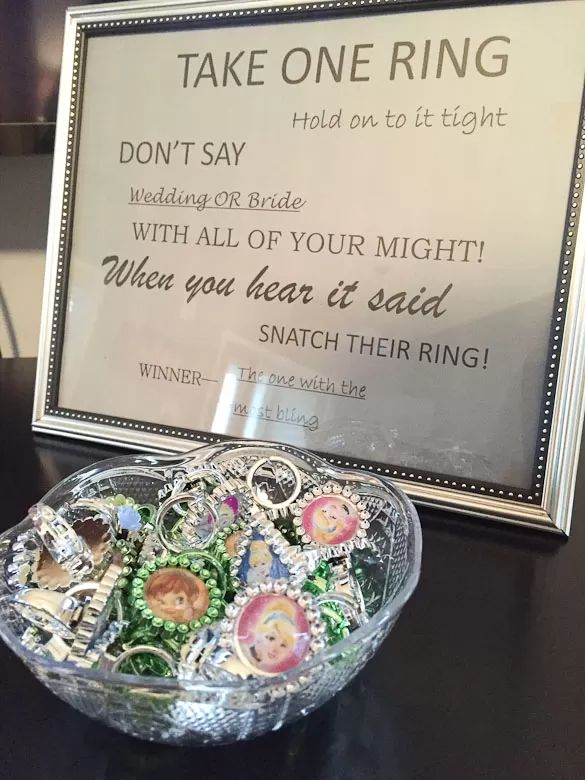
{"x":347,"y":226}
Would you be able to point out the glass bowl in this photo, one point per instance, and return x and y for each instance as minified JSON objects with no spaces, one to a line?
{"x":197,"y":712}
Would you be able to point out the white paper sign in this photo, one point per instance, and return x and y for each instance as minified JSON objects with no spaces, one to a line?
{"x":344,"y":234}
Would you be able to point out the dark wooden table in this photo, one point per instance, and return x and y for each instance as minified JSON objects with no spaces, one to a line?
{"x":483,"y":676}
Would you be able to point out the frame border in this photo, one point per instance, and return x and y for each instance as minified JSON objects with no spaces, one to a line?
{"x":548,"y":504}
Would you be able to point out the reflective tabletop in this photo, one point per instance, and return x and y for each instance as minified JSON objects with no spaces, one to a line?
{"x":484,"y":675}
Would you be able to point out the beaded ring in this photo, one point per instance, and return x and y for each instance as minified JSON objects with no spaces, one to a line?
{"x":128,"y":555}
{"x":332,"y":519}
{"x":233,"y":502}
{"x":272,"y":628}
{"x":177,"y":594}
{"x":272,"y":550}
{"x":226,"y":541}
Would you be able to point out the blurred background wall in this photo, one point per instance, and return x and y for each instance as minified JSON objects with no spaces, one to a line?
{"x":31,"y":40}
{"x":25,"y":184}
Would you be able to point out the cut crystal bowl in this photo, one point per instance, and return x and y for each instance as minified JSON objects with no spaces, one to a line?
{"x":194,"y":712}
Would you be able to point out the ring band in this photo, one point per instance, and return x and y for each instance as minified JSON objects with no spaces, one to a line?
{"x":191,"y":540}
{"x":151,"y":650}
{"x":182,"y":482}
{"x":265,"y":501}
{"x":345,"y":601}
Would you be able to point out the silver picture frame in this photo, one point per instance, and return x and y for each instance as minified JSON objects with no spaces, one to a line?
{"x":547,"y":506}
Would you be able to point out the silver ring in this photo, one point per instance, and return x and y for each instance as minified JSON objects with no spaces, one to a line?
{"x":181,"y":483}
{"x":71,"y":605}
{"x":196,"y":653}
{"x":345,"y":601}
{"x":193,"y":540}
{"x":151,"y":650}
{"x":266,"y":502}
{"x":41,"y":608}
